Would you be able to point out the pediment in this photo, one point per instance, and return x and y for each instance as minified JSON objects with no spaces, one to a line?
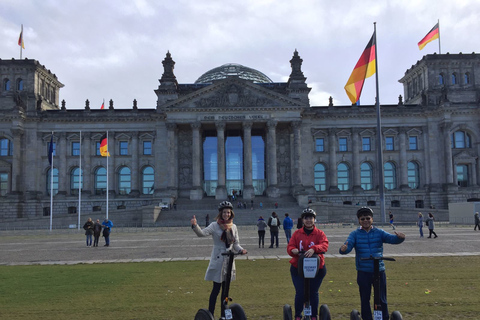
{"x":232,"y":93}
{"x":464,"y":156}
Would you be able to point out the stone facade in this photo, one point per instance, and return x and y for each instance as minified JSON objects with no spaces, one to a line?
{"x":324,"y":154}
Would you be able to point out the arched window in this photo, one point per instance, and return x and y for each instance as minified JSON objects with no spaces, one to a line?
{"x":19,"y":84}
{"x":6,"y":84}
{"x":320,"y":177}
{"x":462,"y":175}
{"x":148,"y":180}
{"x":76,"y":178}
{"x":466,"y":78}
{"x":343,"y":177}
{"x":413,"y":175}
{"x":100,"y":181}
{"x":460,"y":140}
{"x":366,"y":176}
{"x":124,"y":181}
{"x":55,"y":181}
{"x":454,"y":78}
{"x":390,"y":176}
{"x":6,"y":148}
{"x":441,"y":81}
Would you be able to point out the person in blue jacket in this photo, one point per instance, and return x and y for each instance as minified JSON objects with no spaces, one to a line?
{"x":368,"y":241}
{"x":287,"y":227}
{"x":107,"y":228}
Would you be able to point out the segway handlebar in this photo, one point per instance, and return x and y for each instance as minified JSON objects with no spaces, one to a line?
{"x":231,"y":253}
{"x":378,"y":258}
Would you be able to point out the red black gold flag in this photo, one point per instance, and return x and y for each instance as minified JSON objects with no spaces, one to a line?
{"x":431,"y":35}
{"x":364,"y":68}
{"x":104,"y":146}
{"x":20,"y":39}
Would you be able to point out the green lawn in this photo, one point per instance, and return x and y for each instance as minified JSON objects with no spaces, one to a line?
{"x":421,"y":288}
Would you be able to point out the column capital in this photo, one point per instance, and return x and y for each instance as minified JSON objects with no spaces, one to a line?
{"x":220,"y":125}
{"x":296,"y":124}
{"x":272,"y":124}
{"x":17,"y":132}
{"x":195,"y":126}
{"x":171,"y":126}
{"x":247,"y":124}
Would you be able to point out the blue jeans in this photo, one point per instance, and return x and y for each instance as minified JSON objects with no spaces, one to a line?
{"x":365,"y":283}
{"x":421,"y":231}
{"x":288,"y":234}
{"x":89,"y":239}
{"x":273,"y":238}
{"x":299,"y":290}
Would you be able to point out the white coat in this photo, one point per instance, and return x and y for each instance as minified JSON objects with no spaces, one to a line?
{"x":216,"y":270}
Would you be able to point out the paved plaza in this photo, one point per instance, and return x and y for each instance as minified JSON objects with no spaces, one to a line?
{"x":174,"y":244}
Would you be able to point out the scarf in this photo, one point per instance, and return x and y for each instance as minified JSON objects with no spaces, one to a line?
{"x":227,"y":235}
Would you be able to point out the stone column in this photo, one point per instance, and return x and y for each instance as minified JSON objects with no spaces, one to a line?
{"x":135,"y":168}
{"x":448,"y":155}
{"x":403,"y":167}
{"x":172,"y":157}
{"x":221,"y":191}
{"x":332,"y":161}
{"x":356,"y":171}
{"x":30,"y":181}
{"x":248,"y":192}
{"x":297,"y":154}
{"x":16,"y":161}
{"x":63,"y":176}
{"x":196,"y":193}
{"x":87,"y":163}
{"x":272,"y":190}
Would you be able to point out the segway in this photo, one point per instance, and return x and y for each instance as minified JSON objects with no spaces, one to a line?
{"x":377,"y":303}
{"x":233,"y":311}
{"x":308,"y":269}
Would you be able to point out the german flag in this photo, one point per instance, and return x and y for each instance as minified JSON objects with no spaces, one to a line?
{"x":20,"y":39}
{"x":431,"y":35}
{"x":364,"y":68}
{"x":104,"y":146}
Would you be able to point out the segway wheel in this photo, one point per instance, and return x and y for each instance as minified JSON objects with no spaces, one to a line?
{"x":204,"y":314}
{"x":396,"y":315}
{"x":324,"y":313}
{"x":287,"y":312}
{"x":237,"y":312}
{"x":355,"y":315}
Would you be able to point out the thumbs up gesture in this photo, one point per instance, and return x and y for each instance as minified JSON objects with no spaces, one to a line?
{"x":344,"y":247}
{"x":193,"y":221}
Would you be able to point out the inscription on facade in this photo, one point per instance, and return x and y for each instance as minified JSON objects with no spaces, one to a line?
{"x":234,"y":117}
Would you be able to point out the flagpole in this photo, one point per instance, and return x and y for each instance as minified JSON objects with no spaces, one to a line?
{"x":107,"y":176}
{"x":439,"y":47}
{"x":381,"y":183}
{"x":51,"y":187}
{"x":80,"y":183}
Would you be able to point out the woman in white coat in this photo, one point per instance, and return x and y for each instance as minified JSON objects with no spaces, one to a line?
{"x":225,"y":237}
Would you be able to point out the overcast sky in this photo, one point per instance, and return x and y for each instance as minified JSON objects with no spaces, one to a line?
{"x":113,"y":49}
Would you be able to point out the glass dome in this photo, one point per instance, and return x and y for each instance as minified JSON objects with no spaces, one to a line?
{"x":232,"y":69}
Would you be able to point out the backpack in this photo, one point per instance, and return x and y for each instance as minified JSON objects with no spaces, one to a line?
{"x":274,"y":222}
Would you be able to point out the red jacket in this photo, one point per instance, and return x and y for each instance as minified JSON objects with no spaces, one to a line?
{"x":303,"y":242}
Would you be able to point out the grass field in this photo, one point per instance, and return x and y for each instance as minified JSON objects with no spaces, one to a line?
{"x":420,"y":288}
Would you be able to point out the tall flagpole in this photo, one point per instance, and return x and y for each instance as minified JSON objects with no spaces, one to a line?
{"x":439,"y":47}
{"x":381,"y":183}
{"x":80,"y":183}
{"x":107,"y":174}
{"x":51,"y":186}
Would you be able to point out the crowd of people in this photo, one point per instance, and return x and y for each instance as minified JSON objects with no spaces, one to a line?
{"x":93,"y":230}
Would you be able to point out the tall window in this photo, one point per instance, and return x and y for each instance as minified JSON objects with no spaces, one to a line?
{"x":97,"y":149}
{"x":6,"y":148}
{"x":412,"y":143}
{"x":124,"y":181}
{"x":100,"y":181}
{"x":75,"y":180}
{"x":75,"y":148}
{"x":366,"y":176}
{"x":390,"y":176}
{"x":319,"y":145}
{"x":441,"y":81}
{"x":6,"y":85}
{"x":123,"y":148}
{"x":466,"y":78}
{"x":55,"y":181}
{"x":3,"y":183}
{"x":320,"y":177}
{"x":460,"y":140}
{"x":147,"y":147}
{"x":342,"y":144}
{"x":366,"y":145}
{"x":148,"y":180}
{"x":413,"y":175}
{"x":19,"y":85}
{"x":462,"y":175}
{"x":389,"y":144}
{"x":343,"y":177}
{"x":454,"y":78}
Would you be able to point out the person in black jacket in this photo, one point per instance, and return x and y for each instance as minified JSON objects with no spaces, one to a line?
{"x":273,"y":224}
{"x":88,"y":226}
{"x":97,"y":230}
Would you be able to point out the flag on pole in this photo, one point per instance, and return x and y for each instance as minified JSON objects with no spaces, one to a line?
{"x":431,"y":35}
{"x":50,"y":151}
{"x":103,"y":105}
{"x":364,"y":68}
{"x":20,"y":39}
{"x":104,"y":146}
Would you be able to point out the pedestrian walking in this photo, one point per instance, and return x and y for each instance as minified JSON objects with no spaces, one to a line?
{"x":477,"y":222}
{"x":420,"y":224}
{"x":430,"y":222}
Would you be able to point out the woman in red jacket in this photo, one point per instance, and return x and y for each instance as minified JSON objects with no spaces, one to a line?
{"x":310,"y":240}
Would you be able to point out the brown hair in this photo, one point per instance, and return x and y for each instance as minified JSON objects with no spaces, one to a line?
{"x":219,"y":215}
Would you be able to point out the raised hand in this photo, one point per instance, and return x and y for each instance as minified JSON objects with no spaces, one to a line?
{"x":344,"y":247}
{"x":193,"y":221}
{"x":400,"y":235}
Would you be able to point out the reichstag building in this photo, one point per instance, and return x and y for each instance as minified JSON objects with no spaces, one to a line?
{"x":235,"y":131}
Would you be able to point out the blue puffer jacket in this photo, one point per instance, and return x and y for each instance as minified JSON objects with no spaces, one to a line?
{"x":368,"y":244}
